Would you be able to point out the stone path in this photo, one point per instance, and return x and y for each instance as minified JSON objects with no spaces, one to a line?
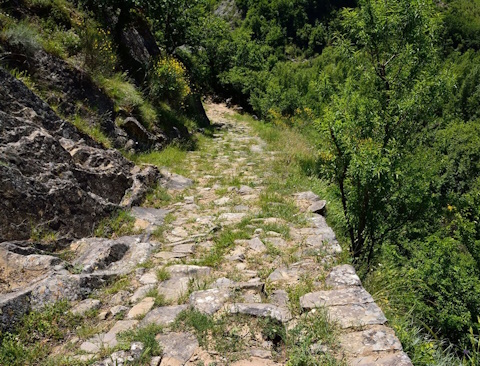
{"x":217,"y":248}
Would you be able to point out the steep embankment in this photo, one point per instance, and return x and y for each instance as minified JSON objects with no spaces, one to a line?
{"x":54,"y":178}
{"x":232,"y":266}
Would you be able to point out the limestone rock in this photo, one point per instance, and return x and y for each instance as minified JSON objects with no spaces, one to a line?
{"x":318,"y":207}
{"x":357,"y":315}
{"x":175,"y":181}
{"x":177,"y":347}
{"x":398,"y":359}
{"x":261,"y":310}
{"x":164,"y":315}
{"x":370,"y":341}
{"x":343,"y":276}
{"x":209,"y":301}
{"x":354,"y":295}
{"x":183,"y":270}
{"x":141,"y":308}
{"x":86,"y":305}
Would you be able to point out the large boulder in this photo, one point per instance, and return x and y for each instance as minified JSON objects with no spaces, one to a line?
{"x":54,"y":177}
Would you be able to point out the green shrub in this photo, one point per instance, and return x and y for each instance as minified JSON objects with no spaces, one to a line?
{"x":168,"y":81}
{"x":23,"y":36}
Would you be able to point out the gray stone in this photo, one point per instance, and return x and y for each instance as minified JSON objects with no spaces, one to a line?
{"x":261,"y":310}
{"x":12,"y":308}
{"x":356,"y":315}
{"x":370,"y":341}
{"x":256,"y":245}
{"x":285,"y":275}
{"x":140,"y":293}
{"x":279,"y":298}
{"x":118,"y":309}
{"x":183,"y":270}
{"x":245,"y":190}
{"x":178,"y":347}
{"x":277,"y":242}
{"x":232,"y":217}
{"x":307,"y":196}
{"x":209,"y":301}
{"x":154,"y":216}
{"x":354,"y":295}
{"x":398,"y":359}
{"x":86,"y":305}
{"x":184,"y":248}
{"x":175,"y":181}
{"x":174,"y":288}
{"x":97,"y":253}
{"x":343,"y":276}
{"x":261,"y":353}
{"x":326,"y":244}
{"x":120,"y":297}
{"x":141,"y":308}
{"x":163,"y":316}
{"x":149,"y":278}
{"x":318,"y":207}
{"x":166,"y":256}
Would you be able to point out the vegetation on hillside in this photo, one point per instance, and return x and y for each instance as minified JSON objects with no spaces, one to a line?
{"x":391,"y":88}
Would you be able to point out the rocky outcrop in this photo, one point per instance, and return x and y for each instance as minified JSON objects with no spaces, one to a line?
{"x":54,"y":177}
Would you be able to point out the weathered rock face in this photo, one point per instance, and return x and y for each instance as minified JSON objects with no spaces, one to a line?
{"x":53,"y":176}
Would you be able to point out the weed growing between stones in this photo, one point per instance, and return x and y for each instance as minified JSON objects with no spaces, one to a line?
{"x":311,"y":341}
{"x":36,"y":335}
{"x":145,"y":335}
{"x":121,"y":223}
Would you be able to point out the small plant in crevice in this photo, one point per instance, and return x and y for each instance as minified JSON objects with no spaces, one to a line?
{"x":121,"y":223}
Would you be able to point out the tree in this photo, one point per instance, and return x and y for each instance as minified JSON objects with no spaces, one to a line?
{"x":388,"y":98}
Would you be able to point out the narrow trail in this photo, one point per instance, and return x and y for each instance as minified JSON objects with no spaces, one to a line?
{"x":237,"y":274}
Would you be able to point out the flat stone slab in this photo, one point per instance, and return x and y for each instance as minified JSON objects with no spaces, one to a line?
{"x":174,"y":288}
{"x":285,"y":275}
{"x":232,"y":217}
{"x":164,"y":315}
{"x":184,"y":248}
{"x":107,"y":340}
{"x":277,"y":242}
{"x":209,"y":301}
{"x":253,"y":284}
{"x":370,"y":342}
{"x":175,"y":181}
{"x":261,"y":310}
{"x":398,"y":359}
{"x":177,"y":347}
{"x":354,"y":295}
{"x":154,"y":216}
{"x":256,"y":245}
{"x":307,"y":196}
{"x":149,"y":278}
{"x":169,"y":255}
{"x":343,"y":276}
{"x":183,"y":270}
{"x":318,"y":207}
{"x":141,"y":292}
{"x":357,"y":315}
{"x":141,"y":308}
{"x":86,"y":305}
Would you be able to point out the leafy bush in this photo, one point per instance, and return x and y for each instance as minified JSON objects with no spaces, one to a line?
{"x":168,"y":81}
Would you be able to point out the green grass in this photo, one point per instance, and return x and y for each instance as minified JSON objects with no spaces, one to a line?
{"x":119,"y":224}
{"x":37,"y":334}
{"x":305,"y":339}
{"x":172,"y":157}
{"x":118,"y":285}
{"x":145,"y":335}
{"x":162,"y":274}
{"x":224,"y":241}
{"x":91,"y":130}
